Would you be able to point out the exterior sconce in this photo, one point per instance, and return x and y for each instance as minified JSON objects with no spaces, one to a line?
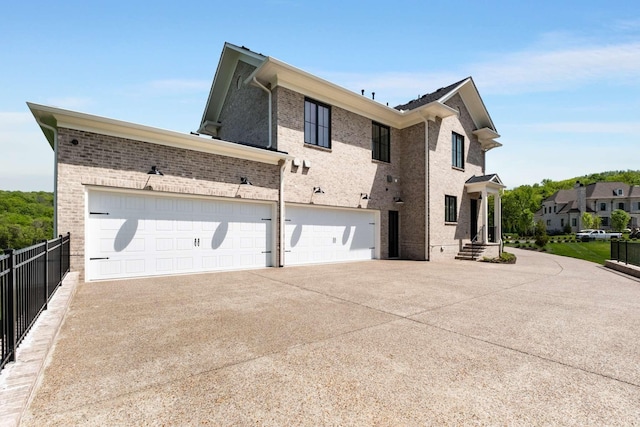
{"x":154,"y":171}
{"x":245,"y":181}
{"x":74,"y":142}
{"x":317,"y":190}
{"x":398,"y":201}
{"x":365,"y":196}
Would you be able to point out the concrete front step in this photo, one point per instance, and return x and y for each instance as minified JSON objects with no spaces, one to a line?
{"x":471,"y":252}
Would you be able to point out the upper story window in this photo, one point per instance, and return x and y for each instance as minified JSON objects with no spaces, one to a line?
{"x":603,"y":206}
{"x":380,"y":142}
{"x":457,"y":150}
{"x":621,"y":205}
{"x":619,"y":192}
{"x":317,"y":123}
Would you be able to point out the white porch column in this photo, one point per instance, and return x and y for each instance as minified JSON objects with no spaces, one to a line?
{"x":497,"y":216}
{"x":485,"y":216}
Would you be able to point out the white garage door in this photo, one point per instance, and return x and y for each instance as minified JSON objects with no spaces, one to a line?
{"x":131,"y":235}
{"x":321,"y":235}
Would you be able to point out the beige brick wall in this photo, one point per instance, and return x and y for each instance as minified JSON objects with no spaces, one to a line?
{"x":106,"y":161}
{"x":343,"y":171}
{"x":244,"y":114}
{"x":412,"y":175}
{"x":447,"y":239}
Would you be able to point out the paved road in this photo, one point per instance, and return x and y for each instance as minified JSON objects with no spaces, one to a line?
{"x":548,"y":341}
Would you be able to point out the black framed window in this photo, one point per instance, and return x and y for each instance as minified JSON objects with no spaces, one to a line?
{"x":621,"y":205}
{"x":450,"y":209}
{"x":457,"y":150}
{"x":317,"y":123}
{"x":380,"y":142}
{"x":603,"y":206}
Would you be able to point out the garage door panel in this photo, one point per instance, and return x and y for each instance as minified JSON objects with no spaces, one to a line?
{"x":320,"y":235}
{"x":150,"y":234}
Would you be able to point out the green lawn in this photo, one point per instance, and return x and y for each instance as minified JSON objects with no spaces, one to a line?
{"x":594,"y":251}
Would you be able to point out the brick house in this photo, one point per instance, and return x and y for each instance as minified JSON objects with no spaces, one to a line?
{"x":600,"y":198}
{"x":285,"y":169}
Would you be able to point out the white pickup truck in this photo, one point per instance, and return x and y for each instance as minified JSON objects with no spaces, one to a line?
{"x":590,"y":234}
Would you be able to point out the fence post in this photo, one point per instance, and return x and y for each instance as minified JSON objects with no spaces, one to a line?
{"x":12,"y":306}
{"x":59,"y":278}
{"x":46,"y":274}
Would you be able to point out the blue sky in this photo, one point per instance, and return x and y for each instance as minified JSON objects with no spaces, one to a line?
{"x":560,"y":79}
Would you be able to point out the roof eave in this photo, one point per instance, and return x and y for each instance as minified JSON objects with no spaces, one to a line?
{"x":61,"y":118}
{"x":277,"y":73}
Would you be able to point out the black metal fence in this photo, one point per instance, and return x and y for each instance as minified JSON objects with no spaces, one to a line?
{"x":626,"y":251}
{"x":28,"y":279}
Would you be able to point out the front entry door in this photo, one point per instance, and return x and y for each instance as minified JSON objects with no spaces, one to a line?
{"x":474,"y":219}
{"x":394,"y":231}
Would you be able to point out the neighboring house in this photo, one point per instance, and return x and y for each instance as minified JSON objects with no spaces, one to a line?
{"x":600,"y":198}
{"x":294,"y":170}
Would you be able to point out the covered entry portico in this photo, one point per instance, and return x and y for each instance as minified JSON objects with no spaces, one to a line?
{"x":479,"y":188}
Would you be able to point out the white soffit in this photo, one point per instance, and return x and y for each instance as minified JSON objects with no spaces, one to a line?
{"x":60,"y":118}
{"x":278,"y":73}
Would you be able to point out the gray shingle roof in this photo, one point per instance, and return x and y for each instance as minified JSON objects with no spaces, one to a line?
{"x":430,"y":97}
{"x":604,"y":190}
{"x":483,"y":178}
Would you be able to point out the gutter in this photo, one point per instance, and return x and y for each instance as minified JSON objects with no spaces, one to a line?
{"x":263,"y":87}
{"x":55,"y":174}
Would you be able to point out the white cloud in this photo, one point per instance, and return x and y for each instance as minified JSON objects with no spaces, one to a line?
{"x":586,"y":127}
{"x":568,"y":63}
{"x":533,"y":71}
{"x":10,"y":119}
{"x":70,"y":102}
{"x":179,"y":85}
{"x":27,"y":159}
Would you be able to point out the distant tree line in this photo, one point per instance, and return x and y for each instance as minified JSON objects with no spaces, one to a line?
{"x":25,"y":218}
{"x":521,"y":203}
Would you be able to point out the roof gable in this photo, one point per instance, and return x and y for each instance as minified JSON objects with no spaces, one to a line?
{"x":229,"y":58}
{"x":272,"y":73}
{"x":470,"y":96}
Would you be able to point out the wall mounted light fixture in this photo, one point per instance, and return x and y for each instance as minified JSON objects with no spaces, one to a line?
{"x":365,"y":196}
{"x":398,"y":201}
{"x":245,"y":181}
{"x":317,"y":190}
{"x":154,"y":171}
{"x":74,"y":142}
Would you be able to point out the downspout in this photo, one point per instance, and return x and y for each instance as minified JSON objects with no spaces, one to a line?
{"x":55,"y":174}
{"x":426,"y":186}
{"x":281,"y":217}
{"x":263,"y":87}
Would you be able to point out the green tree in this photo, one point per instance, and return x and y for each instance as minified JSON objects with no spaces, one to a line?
{"x":587,"y":220}
{"x":541,"y":234}
{"x":619,"y":219}
{"x":597,"y":222}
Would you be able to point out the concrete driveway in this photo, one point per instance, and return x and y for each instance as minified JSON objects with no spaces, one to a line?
{"x":549,"y":340}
